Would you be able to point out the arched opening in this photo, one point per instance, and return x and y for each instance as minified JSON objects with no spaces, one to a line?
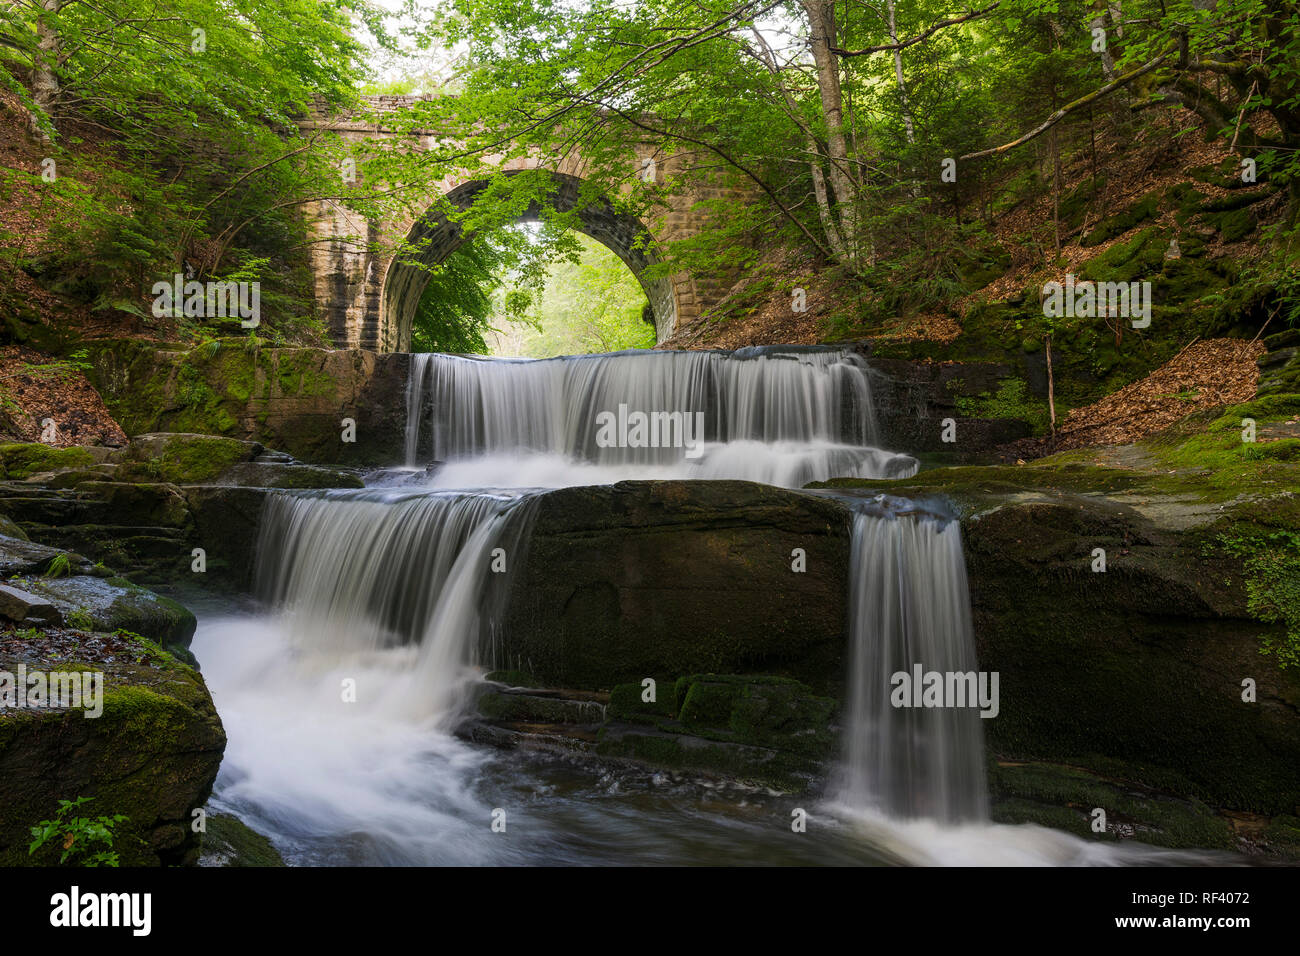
{"x":436,"y":237}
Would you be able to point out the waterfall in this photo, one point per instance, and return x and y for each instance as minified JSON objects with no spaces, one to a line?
{"x":419,"y":574}
{"x":339,"y":705}
{"x":780,"y":416}
{"x":909,"y":608}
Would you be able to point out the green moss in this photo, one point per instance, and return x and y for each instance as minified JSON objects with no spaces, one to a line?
{"x":1075,"y":203}
{"x":1148,"y":207}
{"x":707,"y":703}
{"x":228,"y":841}
{"x":1283,"y":835}
{"x":299,"y":373}
{"x":1138,"y":258}
{"x":1222,"y":463}
{"x":626,"y":703}
{"x":188,"y":459}
{"x":21,"y":460}
{"x":1270,"y":564}
{"x":1233,"y":225}
{"x":1012,"y":400}
{"x":1064,"y":798}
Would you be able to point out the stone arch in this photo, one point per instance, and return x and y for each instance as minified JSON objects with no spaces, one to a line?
{"x":437,"y":238}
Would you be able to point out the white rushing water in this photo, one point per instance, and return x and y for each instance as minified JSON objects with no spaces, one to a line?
{"x":781,"y":417}
{"x":909,"y":607}
{"x":340,"y":701}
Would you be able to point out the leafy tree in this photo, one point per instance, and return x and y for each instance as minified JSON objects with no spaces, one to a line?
{"x":590,"y":305}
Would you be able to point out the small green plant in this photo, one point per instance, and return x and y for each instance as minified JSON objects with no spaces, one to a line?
{"x":27,"y":634}
{"x":86,"y":841}
{"x":60,"y":566}
{"x":80,"y":620}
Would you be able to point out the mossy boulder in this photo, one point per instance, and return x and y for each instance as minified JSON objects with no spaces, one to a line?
{"x":21,"y":460}
{"x":1148,"y":207}
{"x":182,"y":459}
{"x":292,"y":399}
{"x":1234,"y":224}
{"x":763,"y":711}
{"x":152,"y":756}
{"x":110,"y":604}
{"x":1138,"y":258}
{"x":628,"y":701}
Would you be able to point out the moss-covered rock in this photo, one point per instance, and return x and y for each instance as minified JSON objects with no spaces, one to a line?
{"x":151,"y":756}
{"x":228,"y":841}
{"x":763,"y":711}
{"x":1234,"y":224}
{"x":1138,"y":258}
{"x":1065,"y":797}
{"x":1148,"y":207}
{"x":110,"y":604}
{"x":290,"y":399}
{"x":182,"y":459}
{"x":19,"y":460}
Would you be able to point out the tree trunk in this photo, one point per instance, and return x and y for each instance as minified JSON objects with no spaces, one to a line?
{"x":898,"y":72}
{"x":824,"y":211}
{"x":821,"y":20}
{"x":1051,"y":389}
{"x":45,"y":83}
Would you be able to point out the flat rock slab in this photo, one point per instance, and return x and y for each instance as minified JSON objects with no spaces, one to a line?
{"x":27,"y":557}
{"x":24,"y":607}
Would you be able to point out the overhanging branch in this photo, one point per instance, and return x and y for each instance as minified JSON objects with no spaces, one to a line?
{"x":1067,"y":109}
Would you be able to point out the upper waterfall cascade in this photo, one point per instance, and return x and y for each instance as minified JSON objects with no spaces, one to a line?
{"x":782,"y":417}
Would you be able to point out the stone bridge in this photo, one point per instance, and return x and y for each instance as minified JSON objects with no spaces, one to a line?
{"x":368,"y":297}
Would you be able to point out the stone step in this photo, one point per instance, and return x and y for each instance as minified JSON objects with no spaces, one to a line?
{"x":541,"y":707}
{"x":549,"y":738}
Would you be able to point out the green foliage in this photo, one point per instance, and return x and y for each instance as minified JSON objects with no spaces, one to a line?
{"x":456,"y":309}
{"x":1012,"y":400}
{"x":1271,"y":563}
{"x":60,"y":566}
{"x":85,"y":841}
{"x":592,"y":305}
{"x":201,"y":169}
{"x":81,"y":620}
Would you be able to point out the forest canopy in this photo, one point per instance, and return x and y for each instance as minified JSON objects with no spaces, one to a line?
{"x":881,"y":137}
